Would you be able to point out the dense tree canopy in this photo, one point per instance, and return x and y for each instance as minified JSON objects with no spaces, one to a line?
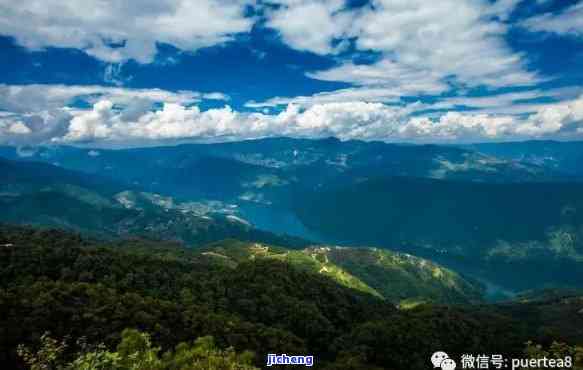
{"x":74,"y":288}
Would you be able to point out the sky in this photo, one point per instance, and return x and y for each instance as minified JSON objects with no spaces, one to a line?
{"x":154,"y":72}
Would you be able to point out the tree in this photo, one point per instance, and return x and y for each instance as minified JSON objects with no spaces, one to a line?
{"x":136,"y":352}
{"x":47,"y":357}
{"x":556,"y":350}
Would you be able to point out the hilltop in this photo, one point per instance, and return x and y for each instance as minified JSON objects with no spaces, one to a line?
{"x":400,"y":278}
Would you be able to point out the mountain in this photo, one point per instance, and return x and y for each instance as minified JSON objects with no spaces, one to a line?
{"x":23,"y":175}
{"x":564,"y":157}
{"x":521,"y":235}
{"x":88,"y":292}
{"x":398,"y":277}
{"x":46,"y":195}
{"x":556,"y":314}
{"x":91,"y":289}
{"x":496,"y":217}
{"x":254,"y":170}
{"x":264,"y":178}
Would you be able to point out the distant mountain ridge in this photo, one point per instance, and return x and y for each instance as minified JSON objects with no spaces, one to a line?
{"x":45,"y":195}
{"x":565,"y":157}
{"x":497,"y":211}
{"x":266,"y":177}
{"x":173,"y":169}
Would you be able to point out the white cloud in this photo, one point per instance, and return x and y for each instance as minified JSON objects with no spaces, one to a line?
{"x":113,"y":74}
{"x":115,"y":31}
{"x":36,"y":97}
{"x":347,"y":120}
{"x":118,"y":120}
{"x":506,"y":103}
{"x":92,"y":125}
{"x":568,"y":22}
{"x":370,"y":95}
{"x":503,"y":8}
{"x":490,"y":101}
{"x":173,"y":121}
{"x":310,"y":25}
{"x":389,"y":75}
{"x":456,"y":126}
{"x":425,"y":43}
{"x":423,"y":48}
{"x":19,"y":128}
{"x":509,"y":103}
{"x":564,"y":120}
{"x":560,"y":120}
{"x":48,"y":110}
{"x":34,"y":128}
{"x":216,"y":96}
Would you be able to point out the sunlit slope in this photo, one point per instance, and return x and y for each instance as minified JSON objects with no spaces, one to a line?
{"x":398,"y":277}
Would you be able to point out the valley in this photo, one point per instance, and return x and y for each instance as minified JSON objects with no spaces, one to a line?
{"x":289,"y":244}
{"x":494,"y":214}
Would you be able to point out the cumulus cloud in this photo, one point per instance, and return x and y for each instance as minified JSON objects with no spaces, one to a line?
{"x":33,"y":128}
{"x":568,"y":22}
{"x":561,"y":119}
{"x":354,"y":120}
{"x":115,"y":118}
{"x":18,"y":128}
{"x":346,"y":120}
{"x":115,"y":31}
{"x":40,"y":113}
{"x":456,"y":126}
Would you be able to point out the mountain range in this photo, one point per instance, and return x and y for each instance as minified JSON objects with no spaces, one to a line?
{"x":496,"y":212}
{"x":343,"y":249}
{"x":45,"y":195}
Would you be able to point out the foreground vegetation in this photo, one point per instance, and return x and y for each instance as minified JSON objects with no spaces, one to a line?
{"x":135,"y":351}
{"x":112,"y":295}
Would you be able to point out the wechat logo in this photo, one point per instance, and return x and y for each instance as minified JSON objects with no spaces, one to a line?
{"x":441,"y":360}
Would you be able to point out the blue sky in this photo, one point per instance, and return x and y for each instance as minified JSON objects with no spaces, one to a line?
{"x":165,"y":71}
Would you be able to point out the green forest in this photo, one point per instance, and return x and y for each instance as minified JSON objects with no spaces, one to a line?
{"x":68,"y":302}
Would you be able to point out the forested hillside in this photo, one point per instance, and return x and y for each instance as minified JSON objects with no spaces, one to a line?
{"x":506,"y":233}
{"x":76,"y":288}
{"x":50,"y":196}
{"x":400,"y":278}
